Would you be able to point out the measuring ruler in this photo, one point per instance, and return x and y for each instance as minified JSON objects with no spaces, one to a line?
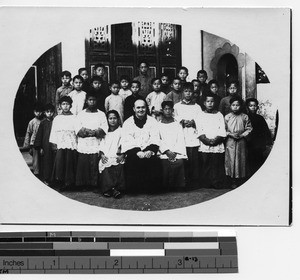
{"x":117,"y":252}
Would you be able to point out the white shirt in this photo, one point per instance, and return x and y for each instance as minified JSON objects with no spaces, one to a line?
{"x":135,"y":137}
{"x":78,"y":98}
{"x":189,"y":112}
{"x":63,"y":132}
{"x":212,"y":125}
{"x":171,"y":138}
{"x":96,"y":120}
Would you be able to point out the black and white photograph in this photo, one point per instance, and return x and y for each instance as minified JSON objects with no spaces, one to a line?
{"x":162,"y":116}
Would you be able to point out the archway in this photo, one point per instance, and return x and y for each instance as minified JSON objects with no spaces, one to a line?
{"x":227,"y":69}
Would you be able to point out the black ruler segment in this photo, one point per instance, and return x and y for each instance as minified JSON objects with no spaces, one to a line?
{"x":117,"y":252}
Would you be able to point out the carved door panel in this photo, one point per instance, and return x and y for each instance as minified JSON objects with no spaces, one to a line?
{"x":120,"y":47}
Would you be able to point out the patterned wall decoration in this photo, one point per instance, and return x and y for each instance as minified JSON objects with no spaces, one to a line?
{"x":147,"y":37}
{"x":168,"y":39}
{"x":99,"y":38}
{"x":261,"y":77}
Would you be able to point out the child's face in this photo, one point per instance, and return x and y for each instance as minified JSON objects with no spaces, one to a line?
{"x":114,"y":88}
{"x":37,"y":114}
{"x":214,"y":88}
{"x":156,"y":85}
{"x":112,"y":120}
{"x":164,"y":80}
{"x":187,"y":94}
{"x":235,"y":106}
{"x":65,"y":80}
{"x":65,"y":106}
{"x":100,"y":71}
{"x":143,"y":68}
{"x":77,"y":84}
{"x":252,"y":107}
{"x":84,"y":75}
{"x":182,"y":74}
{"x":202,"y":78}
{"x":96,"y":84}
{"x":49,"y":114}
{"x":209,"y":103}
{"x":91,"y":102}
{"x":135,"y":88}
{"x":124,"y":84}
{"x":232,"y":90}
{"x":176,"y":85}
{"x":196,"y":86}
{"x":168,"y":111}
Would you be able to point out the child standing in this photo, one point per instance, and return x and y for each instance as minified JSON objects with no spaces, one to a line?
{"x":144,"y":78}
{"x":96,"y":89}
{"x":225,"y":106}
{"x":214,"y":89}
{"x":238,"y":127}
{"x":212,"y":134}
{"x":155,"y":98}
{"x":112,"y":161}
{"x":124,"y":84}
{"x":189,"y":114}
{"x":129,"y":101}
{"x":30,"y":136}
{"x":64,"y":90}
{"x":91,"y":127}
{"x":84,"y":74}
{"x":101,"y":72}
{"x":77,"y":95}
{"x":165,"y":83}
{"x":260,"y":136}
{"x":196,"y":92}
{"x":175,"y":95}
{"x":114,"y":101}
{"x":42,"y":144}
{"x":202,"y":77}
{"x":172,"y":149}
{"x":64,"y":141}
{"x":183,"y":72}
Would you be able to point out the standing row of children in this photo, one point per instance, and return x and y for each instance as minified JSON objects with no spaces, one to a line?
{"x":195,"y":105}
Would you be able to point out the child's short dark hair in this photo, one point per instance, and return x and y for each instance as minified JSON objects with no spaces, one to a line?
{"x":167,"y":103}
{"x":230,"y":82}
{"x":49,"y":107}
{"x":195,"y":80}
{"x":155,"y":79}
{"x":176,"y":78}
{"x":183,"y":68}
{"x":81,"y":69}
{"x":213,"y":82}
{"x":125,"y":77}
{"x":96,"y":78}
{"x":65,"y":73}
{"x":165,"y":75}
{"x":236,"y":98}
{"x":209,"y":94}
{"x":251,"y":100}
{"x":136,"y":82}
{"x":113,"y":112}
{"x":99,"y":65}
{"x":38,"y":107}
{"x":115,"y":82}
{"x":90,"y":94}
{"x":65,"y":98}
{"x":202,"y":72}
{"x":78,"y":77}
{"x":143,"y":61}
{"x":188,"y":85}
